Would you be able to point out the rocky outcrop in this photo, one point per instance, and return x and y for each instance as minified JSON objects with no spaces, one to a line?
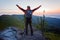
{"x":13,"y":33}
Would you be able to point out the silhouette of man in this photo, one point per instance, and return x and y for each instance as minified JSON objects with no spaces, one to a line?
{"x":28,"y":17}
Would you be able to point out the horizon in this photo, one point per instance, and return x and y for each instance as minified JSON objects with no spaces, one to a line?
{"x":51,"y":16}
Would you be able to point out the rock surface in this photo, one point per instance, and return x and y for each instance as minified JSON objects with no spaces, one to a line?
{"x":13,"y":33}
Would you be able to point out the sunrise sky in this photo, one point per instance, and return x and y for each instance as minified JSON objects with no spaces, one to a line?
{"x":51,"y":7}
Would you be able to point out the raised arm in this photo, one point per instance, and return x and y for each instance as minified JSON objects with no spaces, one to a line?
{"x":36,"y":8}
{"x":20,"y":8}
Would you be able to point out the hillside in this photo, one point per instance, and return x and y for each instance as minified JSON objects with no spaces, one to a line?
{"x":18,"y":20}
{"x":52,"y":30}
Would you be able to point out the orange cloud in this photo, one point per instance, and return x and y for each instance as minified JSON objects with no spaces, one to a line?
{"x":38,"y":13}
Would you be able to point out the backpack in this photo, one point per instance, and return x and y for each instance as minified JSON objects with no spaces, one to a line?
{"x":28,"y":14}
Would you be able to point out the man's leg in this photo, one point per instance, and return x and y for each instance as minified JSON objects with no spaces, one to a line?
{"x":30,"y":23}
{"x":26,"y":26}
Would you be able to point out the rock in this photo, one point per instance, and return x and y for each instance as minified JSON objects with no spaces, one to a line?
{"x":37,"y":36}
{"x":13,"y":33}
{"x":1,"y":39}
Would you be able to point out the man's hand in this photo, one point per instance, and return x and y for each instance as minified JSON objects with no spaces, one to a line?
{"x":17,"y":5}
{"x":39,"y":6}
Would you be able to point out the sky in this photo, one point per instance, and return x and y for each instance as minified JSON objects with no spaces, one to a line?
{"x":51,"y":7}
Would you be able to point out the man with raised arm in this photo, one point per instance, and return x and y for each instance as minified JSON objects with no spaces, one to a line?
{"x":28,"y":17}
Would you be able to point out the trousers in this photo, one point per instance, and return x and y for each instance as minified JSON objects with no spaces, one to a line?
{"x":28,"y":21}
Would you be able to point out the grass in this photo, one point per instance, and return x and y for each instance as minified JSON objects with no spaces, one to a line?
{"x":52,"y":36}
{"x":49,"y":35}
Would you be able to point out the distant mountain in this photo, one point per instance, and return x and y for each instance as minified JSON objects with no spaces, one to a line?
{"x":55,"y":22}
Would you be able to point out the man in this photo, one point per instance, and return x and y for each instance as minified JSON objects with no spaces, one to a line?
{"x":28,"y":17}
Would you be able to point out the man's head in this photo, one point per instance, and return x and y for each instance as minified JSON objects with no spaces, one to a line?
{"x":28,"y":7}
